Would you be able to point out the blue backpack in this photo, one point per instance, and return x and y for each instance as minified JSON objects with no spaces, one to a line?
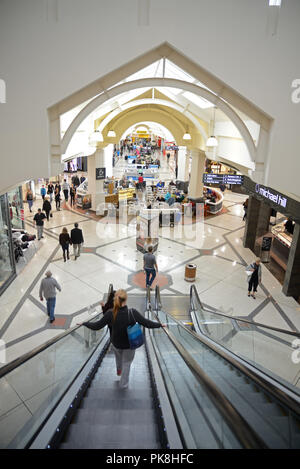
{"x":135,"y":334}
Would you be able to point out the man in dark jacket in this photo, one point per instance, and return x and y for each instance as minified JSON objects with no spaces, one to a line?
{"x":39,"y":221}
{"x":47,"y":207}
{"x":77,"y":240}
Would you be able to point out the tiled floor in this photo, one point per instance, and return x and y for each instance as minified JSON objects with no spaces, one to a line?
{"x":110,"y":256}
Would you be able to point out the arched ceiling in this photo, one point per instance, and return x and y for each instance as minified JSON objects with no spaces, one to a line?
{"x":108,"y":121}
{"x":158,"y":82}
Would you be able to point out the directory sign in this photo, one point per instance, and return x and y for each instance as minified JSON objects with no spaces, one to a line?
{"x":212,"y":178}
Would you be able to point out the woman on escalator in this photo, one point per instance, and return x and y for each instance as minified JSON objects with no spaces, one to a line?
{"x":119,"y":318}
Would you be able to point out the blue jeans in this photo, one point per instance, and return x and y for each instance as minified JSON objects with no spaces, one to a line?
{"x":149,"y":272}
{"x":50,"y":307}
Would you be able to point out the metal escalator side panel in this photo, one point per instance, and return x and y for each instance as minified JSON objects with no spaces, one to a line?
{"x":190,"y":377}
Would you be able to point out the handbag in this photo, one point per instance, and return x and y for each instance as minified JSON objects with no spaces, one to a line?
{"x":248,"y":272}
{"x":135,"y":334}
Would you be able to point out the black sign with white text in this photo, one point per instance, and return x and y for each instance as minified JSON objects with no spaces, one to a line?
{"x":100,"y":173}
{"x":212,"y":178}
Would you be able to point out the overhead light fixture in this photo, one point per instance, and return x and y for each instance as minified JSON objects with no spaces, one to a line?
{"x":187,"y":135}
{"x":274,"y":3}
{"x":96,"y":136}
{"x":212,"y":141}
{"x":111,"y":134}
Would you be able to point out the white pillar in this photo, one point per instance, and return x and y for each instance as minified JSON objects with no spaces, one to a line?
{"x":183,"y":164}
{"x":198,"y":167}
{"x":108,"y":156}
{"x":97,"y":160}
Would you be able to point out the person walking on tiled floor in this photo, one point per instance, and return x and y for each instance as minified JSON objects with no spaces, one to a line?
{"x":48,"y":289}
{"x":77,"y":240}
{"x":150,"y":266}
{"x":39,"y":221}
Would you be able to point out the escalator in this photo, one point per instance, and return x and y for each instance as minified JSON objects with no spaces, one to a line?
{"x":267,"y":401}
{"x":109,"y":417}
{"x":64,"y":395}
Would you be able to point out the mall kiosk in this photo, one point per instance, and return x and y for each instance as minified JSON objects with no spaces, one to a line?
{"x":147,"y":230}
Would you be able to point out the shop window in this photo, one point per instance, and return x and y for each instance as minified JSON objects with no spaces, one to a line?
{"x":6,"y":263}
{"x":15,"y":208}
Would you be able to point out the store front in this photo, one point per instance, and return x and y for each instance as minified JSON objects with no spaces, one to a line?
{"x":7,"y":264}
{"x":278,"y":243}
{"x":16,"y":209}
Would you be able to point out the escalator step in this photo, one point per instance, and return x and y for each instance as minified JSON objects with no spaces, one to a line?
{"x":109,"y":417}
{"x":116,"y":403}
{"x":126,"y":445}
{"x":270,"y":409}
{"x":84,"y":435}
{"x":111,"y":393}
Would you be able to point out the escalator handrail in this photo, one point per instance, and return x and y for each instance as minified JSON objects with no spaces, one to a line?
{"x":279,"y":394}
{"x":246,"y":435}
{"x":27,"y":356}
{"x":193,"y":290}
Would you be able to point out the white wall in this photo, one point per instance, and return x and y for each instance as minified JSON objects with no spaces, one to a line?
{"x":44,"y":60}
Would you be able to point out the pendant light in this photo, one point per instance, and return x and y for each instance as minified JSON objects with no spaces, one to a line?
{"x":96,"y":136}
{"x":212,"y":141}
{"x":187,"y":135}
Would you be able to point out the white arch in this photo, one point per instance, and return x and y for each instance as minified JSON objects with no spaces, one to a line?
{"x":154,"y":83}
{"x":132,"y":127}
{"x":161,"y":102}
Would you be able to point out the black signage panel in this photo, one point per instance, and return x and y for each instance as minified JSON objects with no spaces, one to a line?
{"x":212,"y":178}
{"x":266,"y":243}
{"x":100,"y":173}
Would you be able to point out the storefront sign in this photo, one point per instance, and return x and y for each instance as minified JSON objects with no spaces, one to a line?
{"x":212,"y":178}
{"x":100,"y":173}
{"x":275,"y":197}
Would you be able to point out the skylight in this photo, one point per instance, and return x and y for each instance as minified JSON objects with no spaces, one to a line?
{"x":200,"y":102}
{"x":172,"y":71}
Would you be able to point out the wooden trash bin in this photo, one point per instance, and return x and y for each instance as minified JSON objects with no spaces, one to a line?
{"x":190,"y":272}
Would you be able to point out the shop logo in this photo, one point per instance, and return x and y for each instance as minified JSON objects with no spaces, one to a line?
{"x":296,"y":93}
{"x":2,"y":91}
{"x":296,"y":353}
{"x":2,"y":352}
{"x":276,"y":198}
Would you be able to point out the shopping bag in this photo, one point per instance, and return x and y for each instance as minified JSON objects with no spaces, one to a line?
{"x":135,"y":334}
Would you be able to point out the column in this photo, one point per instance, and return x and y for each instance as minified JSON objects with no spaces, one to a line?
{"x":257,"y":223}
{"x":183,"y":165}
{"x":108,"y":157}
{"x":56,"y":167}
{"x":291,"y":284}
{"x":197,"y":170}
{"x":97,"y":160}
